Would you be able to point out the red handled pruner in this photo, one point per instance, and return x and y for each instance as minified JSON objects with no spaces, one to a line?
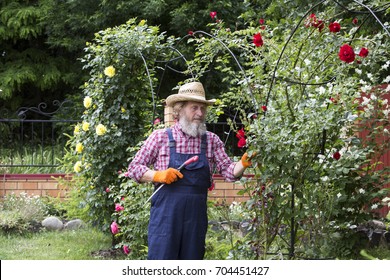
{"x":187,"y":162}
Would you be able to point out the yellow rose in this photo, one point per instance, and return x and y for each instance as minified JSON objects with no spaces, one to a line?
{"x":101,"y":130}
{"x":123,"y":109}
{"x":79,"y":148}
{"x":85,"y":126}
{"x":76,"y":130}
{"x":77,"y":167}
{"x":87,"y":102}
{"x":109,"y":71}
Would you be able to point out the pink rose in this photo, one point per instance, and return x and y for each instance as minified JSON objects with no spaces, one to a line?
{"x":119,"y":207}
{"x":114,"y":228}
{"x":213,"y":14}
{"x":126,"y":249}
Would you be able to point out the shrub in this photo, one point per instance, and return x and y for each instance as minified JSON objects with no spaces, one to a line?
{"x":21,"y":213}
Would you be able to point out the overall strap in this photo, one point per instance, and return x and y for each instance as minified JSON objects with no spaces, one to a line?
{"x":204,"y":144}
{"x":172,"y":142}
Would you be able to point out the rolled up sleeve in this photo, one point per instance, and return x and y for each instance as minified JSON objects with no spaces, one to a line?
{"x":145,"y":157}
{"x":224,"y":164}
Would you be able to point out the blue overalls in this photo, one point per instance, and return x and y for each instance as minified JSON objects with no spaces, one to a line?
{"x":178,"y":216}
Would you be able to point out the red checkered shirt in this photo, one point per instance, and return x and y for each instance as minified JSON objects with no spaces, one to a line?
{"x":155,"y":152}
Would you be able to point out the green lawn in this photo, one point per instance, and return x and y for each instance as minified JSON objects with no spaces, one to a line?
{"x":63,"y":245}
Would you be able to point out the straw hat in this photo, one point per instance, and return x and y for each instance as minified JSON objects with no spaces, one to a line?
{"x":189,"y":92}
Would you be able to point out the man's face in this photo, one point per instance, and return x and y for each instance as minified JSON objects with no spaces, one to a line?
{"x":195,"y":112}
{"x":192,"y":118}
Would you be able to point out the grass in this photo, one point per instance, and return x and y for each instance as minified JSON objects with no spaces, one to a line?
{"x":62,"y":245}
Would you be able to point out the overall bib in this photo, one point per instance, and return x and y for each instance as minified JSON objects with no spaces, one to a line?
{"x":178,"y":216}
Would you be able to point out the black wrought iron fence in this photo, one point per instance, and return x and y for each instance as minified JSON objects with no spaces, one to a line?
{"x":33,"y":137}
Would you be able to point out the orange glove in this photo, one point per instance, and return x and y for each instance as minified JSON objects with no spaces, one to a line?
{"x":167,"y":176}
{"x":246,"y":160}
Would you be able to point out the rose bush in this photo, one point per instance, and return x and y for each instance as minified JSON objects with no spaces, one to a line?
{"x":316,"y":178}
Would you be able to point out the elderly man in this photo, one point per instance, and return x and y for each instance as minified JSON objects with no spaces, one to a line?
{"x":178,"y":217}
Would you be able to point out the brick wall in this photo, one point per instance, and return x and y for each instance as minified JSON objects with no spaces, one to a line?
{"x":226,"y":191}
{"x":33,"y":184}
{"x":48,"y":185}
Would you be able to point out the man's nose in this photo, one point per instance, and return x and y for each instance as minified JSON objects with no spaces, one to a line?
{"x":199,"y":112}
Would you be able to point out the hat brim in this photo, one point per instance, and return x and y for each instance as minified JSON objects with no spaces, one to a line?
{"x":172,"y":99}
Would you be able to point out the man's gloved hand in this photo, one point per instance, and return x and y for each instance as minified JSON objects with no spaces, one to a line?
{"x":246,"y":160}
{"x":167,"y":176}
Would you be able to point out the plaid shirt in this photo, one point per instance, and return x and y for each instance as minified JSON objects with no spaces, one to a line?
{"x":155,"y":152}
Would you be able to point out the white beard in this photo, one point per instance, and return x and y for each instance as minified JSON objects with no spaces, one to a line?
{"x":192,"y":129}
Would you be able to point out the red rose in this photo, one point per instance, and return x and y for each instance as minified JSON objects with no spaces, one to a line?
{"x":355,"y":21}
{"x":261,"y":21}
{"x":314,"y":22}
{"x":213,"y":14}
{"x":336,"y":155}
{"x":241,"y":143}
{"x":258,"y":40}
{"x":334,"y":27}
{"x":346,"y":53}
{"x":240,"y":134}
{"x":191,"y":33}
{"x":363,"y":52}
{"x":310,"y":20}
{"x":264,"y":108}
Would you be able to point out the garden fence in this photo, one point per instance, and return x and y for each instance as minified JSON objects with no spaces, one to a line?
{"x":35,"y":136}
